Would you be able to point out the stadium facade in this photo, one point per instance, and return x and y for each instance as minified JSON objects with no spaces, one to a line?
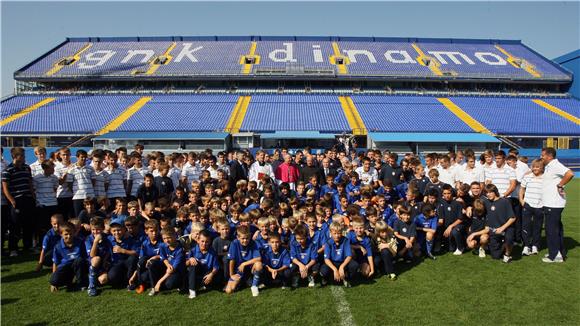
{"x":192,"y":93}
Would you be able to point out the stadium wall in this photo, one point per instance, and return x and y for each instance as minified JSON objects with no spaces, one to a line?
{"x":571,"y":61}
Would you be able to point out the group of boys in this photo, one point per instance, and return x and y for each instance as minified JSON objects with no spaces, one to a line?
{"x":194,"y":222}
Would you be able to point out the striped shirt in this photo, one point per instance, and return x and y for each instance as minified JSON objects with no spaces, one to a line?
{"x":101,"y":178}
{"x":18,"y":180}
{"x":501,"y":177}
{"x":175,"y":174}
{"x":191,"y":172}
{"x":63,"y":190}
{"x":36,"y":168}
{"x":45,"y":189}
{"x":533,"y":185}
{"x":116,"y":185}
{"x":82,"y":181}
{"x":136,"y":176}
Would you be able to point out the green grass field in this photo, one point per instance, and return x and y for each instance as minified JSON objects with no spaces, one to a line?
{"x":450,"y":290}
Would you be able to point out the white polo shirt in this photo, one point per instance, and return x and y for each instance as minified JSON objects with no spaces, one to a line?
{"x":447,"y":176}
{"x":553,"y":174}
{"x":468,"y":176}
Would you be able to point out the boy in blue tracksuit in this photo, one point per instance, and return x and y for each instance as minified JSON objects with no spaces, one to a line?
{"x":98,"y":249}
{"x":50,"y":240}
{"x":304,"y":257}
{"x":276,"y":262}
{"x":426,"y":225}
{"x":361,"y":247}
{"x":149,"y":258}
{"x":202,"y":264}
{"x":172,"y":256}
{"x":338,"y":263}
{"x":124,"y":255}
{"x":244,"y":260}
{"x":69,"y":260}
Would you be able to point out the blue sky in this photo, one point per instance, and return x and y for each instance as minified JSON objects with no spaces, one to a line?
{"x":29,"y":29}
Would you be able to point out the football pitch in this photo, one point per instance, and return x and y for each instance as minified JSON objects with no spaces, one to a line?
{"x":450,"y":290}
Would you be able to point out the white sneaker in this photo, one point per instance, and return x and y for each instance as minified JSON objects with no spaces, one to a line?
{"x":559,"y":255}
{"x":507,"y":259}
{"x":481,"y":252}
{"x":14,"y":253}
{"x":261,"y":286}
{"x":534,"y":250}
{"x":192,"y":294}
{"x":311,"y":283}
{"x":555,"y":260}
{"x":526,"y":251}
{"x":346,"y":284}
{"x":457,"y":252}
{"x":255,"y":291}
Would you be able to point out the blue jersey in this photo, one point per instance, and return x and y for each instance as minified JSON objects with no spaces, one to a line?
{"x":103,"y":247}
{"x":240,"y":254}
{"x":50,"y":240}
{"x":365,"y":242}
{"x":128,"y":243}
{"x":276,"y":261}
{"x":209,"y":260}
{"x":150,"y":249}
{"x":391,"y":220}
{"x":387,"y":212}
{"x":63,"y":255}
{"x":319,"y":239}
{"x":337,"y":253}
{"x":428,"y":223}
{"x":326,"y":189}
{"x":390,"y":196}
{"x":175,"y":257}
{"x":140,"y":237}
{"x":352,"y":188}
{"x":262,"y":243}
{"x":304,"y":255}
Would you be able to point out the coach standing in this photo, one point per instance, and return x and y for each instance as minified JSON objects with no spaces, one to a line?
{"x":556,"y":176}
{"x":17,"y":187}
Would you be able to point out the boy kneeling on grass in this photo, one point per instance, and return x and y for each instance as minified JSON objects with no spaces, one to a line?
{"x":69,"y":261}
{"x":173,"y":258}
{"x":244,"y":261}
{"x":338,"y":262}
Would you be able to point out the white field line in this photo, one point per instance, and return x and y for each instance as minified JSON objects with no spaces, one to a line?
{"x":342,"y":306}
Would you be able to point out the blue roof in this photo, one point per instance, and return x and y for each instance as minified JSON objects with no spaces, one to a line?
{"x":296,"y":135}
{"x":404,"y":137}
{"x":163,"y":135}
{"x":568,"y":57}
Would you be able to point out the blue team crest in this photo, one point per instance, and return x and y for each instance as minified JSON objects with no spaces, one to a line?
{"x":203,"y":261}
{"x":303,"y":255}
{"x":404,"y":229}
{"x":449,"y":208}
{"x":338,"y":252}
{"x":244,"y":252}
{"x":493,"y":208}
{"x":275,"y":261}
{"x":72,"y":255}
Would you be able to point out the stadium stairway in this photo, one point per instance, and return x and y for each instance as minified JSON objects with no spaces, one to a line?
{"x":238,"y":114}
{"x":557,"y":111}
{"x":353,"y":116}
{"x":469,"y":120}
{"x":71,"y":60}
{"x":248,"y":61}
{"x":519,"y":63}
{"x":156,"y":63}
{"x":26,"y":111}
{"x":125,"y":115}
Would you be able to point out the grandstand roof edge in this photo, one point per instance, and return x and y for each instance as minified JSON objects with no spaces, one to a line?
{"x":285,"y":37}
{"x":552,"y":62}
{"x":567,"y":57}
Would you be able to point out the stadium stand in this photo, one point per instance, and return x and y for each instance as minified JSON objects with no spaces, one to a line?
{"x":274,"y":56}
{"x":265,"y":91}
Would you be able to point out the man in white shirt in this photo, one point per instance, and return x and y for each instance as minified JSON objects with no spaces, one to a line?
{"x":446,"y":172}
{"x":36,"y":168}
{"x":260,"y":168}
{"x":502,"y":176}
{"x":470,"y":173}
{"x":556,"y":176}
{"x":367,"y":174}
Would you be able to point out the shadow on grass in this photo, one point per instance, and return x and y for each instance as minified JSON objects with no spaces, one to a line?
{"x":25,"y":276}
{"x":22,"y":258}
{"x":8,"y":301}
